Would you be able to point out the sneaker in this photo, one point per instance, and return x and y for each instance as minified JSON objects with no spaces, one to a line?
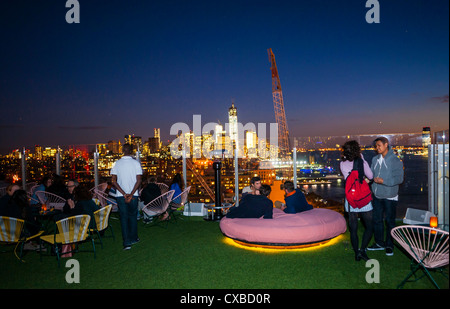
{"x":147,"y":220}
{"x":375,"y":247}
{"x":126,"y":248}
{"x":389,"y":251}
{"x":135,"y":242}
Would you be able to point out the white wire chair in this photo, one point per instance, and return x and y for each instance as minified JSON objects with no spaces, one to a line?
{"x":158,"y":206}
{"x":50,"y":200}
{"x":101,"y":187}
{"x":179,"y":201}
{"x":163,"y":187}
{"x":31,"y":187}
{"x":104,"y":199}
{"x":428,"y":248}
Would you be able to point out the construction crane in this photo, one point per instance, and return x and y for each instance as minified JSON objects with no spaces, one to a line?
{"x":280,"y":114}
{"x":200,"y":179}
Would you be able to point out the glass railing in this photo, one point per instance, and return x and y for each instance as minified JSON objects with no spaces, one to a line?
{"x":438,"y":178}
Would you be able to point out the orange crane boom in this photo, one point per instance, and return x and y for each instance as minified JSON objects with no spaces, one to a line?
{"x":280,"y":114}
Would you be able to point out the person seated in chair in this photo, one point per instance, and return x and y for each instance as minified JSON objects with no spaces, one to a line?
{"x":83,"y":204}
{"x":150,"y":191}
{"x":295,"y":200}
{"x":254,"y":205}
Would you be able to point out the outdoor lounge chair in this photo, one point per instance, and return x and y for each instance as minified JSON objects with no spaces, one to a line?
{"x":158,"y":206}
{"x":101,"y":218}
{"x":163,"y":187}
{"x":51,"y":200}
{"x":104,"y":199}
{"x":72,"y":230}
{"x":428,"y":248}
{"x":179,"y":201}
{"x":12,"y":231}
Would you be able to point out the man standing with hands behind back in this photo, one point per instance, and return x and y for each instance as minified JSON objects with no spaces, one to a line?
{"x":387,"y":171}
{"x":126,"y":178}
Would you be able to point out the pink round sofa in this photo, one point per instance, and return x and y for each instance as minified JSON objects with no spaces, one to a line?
{"x":308,"y":227}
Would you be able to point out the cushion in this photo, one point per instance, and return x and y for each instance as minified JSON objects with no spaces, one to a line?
{"x":307,"y":227}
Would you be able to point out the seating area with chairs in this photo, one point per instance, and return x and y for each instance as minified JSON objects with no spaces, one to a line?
{"x":12,"y":232}
{"x":427,"y":247}
{"x":61,"y":237}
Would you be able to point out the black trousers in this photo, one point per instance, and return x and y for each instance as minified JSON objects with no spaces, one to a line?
{"x":366,"y":218}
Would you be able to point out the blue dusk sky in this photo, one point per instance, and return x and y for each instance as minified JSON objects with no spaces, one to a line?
{"x":133,"y":65}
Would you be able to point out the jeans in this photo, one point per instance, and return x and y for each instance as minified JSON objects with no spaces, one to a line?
{"x":383,"y":208}
{"x":128,"y":220}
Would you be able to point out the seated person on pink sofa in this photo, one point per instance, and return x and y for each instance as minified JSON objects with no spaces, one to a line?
{"x":254,"y":205}
{"x":295,"y":200}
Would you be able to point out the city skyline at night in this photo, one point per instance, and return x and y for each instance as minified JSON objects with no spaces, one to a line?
{"x":131,"y":66}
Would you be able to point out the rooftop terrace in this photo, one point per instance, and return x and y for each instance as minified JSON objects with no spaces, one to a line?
{"x":194,"y":254}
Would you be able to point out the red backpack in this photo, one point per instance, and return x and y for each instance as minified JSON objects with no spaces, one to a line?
{"x":357,"y":190}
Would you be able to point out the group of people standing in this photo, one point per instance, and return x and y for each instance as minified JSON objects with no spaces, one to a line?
{"x":385,"y":174}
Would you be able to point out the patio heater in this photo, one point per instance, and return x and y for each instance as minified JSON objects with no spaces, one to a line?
{"x":96,"y":155}
{"x":217,"y":166}
{"x":24,"y":169}
{"x":58,"y":161}
{"x":215,"y":210}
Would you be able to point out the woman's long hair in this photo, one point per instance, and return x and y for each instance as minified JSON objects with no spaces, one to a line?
{"x":178,"y":180}
{"x":351,"y":151}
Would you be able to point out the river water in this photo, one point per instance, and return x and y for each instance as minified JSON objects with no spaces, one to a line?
{"x":413,"y":193}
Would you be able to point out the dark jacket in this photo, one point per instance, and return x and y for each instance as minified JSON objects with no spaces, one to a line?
{"x":83,"y":207}
{"x":150,"y":192}
{"x":252,"y":206}
{"x":296,"y":203}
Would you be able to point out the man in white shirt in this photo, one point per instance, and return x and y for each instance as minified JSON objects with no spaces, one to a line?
{"x":126,"y":178}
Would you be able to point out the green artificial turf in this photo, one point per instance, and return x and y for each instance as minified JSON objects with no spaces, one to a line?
{"x":192,"y":254}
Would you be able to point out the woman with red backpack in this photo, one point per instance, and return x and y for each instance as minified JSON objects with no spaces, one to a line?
{"x":358,"y":197}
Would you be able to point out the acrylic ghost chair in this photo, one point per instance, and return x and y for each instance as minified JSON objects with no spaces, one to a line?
{"x":69,"y":231}
{"x":12,"y":231}
{"x":157,"y":207}
{"x":428,"y":248}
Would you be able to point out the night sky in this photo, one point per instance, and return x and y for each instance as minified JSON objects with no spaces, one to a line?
{"x":130,"y":66}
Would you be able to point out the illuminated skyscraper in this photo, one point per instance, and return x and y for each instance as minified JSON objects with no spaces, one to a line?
{"x":157,"y":134}
{"x":233,"y":124}
{"x":426,"y":137}
{"x":135,"y":141}
{"x":219,"y":133}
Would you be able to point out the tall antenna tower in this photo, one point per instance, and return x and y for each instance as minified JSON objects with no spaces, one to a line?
{"x":280,"y":114}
